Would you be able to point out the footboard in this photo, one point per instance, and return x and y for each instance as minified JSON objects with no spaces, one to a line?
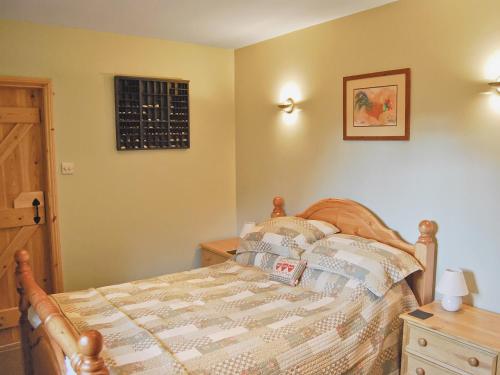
{"x":82,"y":350}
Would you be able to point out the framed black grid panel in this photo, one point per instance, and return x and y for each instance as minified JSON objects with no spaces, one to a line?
{"x":151,"y":113}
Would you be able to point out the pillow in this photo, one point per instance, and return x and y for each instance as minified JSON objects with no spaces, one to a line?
{"x":376,"y":265}
{"x":264,"y":261}
{"x":287,"y":236}
{"x":287,"y":271}
{"x":329,"y":284}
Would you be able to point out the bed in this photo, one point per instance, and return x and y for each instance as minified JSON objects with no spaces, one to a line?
{"x":228,"y":318}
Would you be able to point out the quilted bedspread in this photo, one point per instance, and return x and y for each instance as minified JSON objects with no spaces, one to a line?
{"x":231,"y":319}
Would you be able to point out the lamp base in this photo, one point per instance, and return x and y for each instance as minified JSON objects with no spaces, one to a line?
{"x":451,"y":303}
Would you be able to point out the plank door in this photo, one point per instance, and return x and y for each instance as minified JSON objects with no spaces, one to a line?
{"x":27,"y":194}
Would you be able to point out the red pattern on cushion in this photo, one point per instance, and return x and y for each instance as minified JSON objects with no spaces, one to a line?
{"x":287,"y":271}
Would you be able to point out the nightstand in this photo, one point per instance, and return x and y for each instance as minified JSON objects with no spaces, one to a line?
{"x":218,"y":251}
{"x":463,"y":342}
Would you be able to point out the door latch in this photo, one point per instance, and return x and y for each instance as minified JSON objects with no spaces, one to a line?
{"x":37,"y":218}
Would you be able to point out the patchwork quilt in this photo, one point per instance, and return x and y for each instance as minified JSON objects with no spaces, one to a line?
{"x":231,"y":319}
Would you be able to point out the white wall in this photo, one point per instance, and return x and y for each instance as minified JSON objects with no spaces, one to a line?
{"x":449,"y":170}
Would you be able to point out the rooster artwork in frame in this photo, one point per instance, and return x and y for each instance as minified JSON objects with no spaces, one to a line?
{"x":377,"y":106}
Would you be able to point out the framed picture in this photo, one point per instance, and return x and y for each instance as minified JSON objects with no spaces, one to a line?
{"x":377,"y":106}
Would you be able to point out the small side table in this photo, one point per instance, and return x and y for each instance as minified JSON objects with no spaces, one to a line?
{"x":218,"y":251}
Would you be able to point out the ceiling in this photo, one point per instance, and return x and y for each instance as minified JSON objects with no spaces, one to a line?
{"x":220,"y":23}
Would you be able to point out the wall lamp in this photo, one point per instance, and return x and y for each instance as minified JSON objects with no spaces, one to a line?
{"x":287,"y":106}
{"x":496,"y":85}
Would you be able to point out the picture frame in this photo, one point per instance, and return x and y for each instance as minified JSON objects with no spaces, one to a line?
{"x":377,"y":106}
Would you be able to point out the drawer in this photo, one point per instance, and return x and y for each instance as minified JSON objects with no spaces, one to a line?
{"x":419,"y":366}
{"x":450,"y":351}
{"x":208,"y":258}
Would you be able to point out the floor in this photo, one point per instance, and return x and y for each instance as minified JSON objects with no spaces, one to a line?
{"x":11,"y":360}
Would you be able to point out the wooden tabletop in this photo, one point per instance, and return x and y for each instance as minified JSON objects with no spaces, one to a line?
{"x":471,"y":324}
{"x":221,"y":247}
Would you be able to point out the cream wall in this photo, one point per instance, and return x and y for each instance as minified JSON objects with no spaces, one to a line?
{"x":128,"y":215}
{"x":448,"y":171}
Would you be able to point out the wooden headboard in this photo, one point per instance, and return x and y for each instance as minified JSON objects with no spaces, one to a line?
{"x":353,"y":218}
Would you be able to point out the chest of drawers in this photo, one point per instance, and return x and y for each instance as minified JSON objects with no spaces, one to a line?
{"x":463,"y":342}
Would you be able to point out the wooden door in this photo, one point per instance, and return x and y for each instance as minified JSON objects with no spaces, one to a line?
{"x":27,"y":179}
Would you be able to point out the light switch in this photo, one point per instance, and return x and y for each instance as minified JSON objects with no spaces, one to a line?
{"x":67,"y":167}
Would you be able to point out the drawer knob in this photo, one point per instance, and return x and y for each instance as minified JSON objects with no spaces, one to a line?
{"x":473,"y":361}
{"x":420,"y":371}
{"x":422,"y":342}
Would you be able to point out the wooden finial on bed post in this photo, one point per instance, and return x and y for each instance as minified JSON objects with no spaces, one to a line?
{"x":425,"y":252}
{"x":89,"y":347}
{"x":278,"y":204}
{"x":426,"y":229}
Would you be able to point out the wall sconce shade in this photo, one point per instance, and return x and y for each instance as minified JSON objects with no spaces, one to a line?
{"x":287,"y":106}
{"x":495,"y":85}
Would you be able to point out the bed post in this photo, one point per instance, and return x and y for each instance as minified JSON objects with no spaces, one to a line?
{"x":24,"y":324}
{"x":278,"y":203}
{"x":425,"y":252}
{"x":83,"y":350}
{"x":89,"y":347}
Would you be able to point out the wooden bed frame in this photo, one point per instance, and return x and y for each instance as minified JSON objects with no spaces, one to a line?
{"x":46,"y":346}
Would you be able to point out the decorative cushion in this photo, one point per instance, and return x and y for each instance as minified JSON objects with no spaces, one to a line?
{"x":287,"y":271}
{"x":376,"y":265}
{"x":287,"y":236}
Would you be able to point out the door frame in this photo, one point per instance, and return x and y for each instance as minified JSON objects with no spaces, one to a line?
{"x":49,"y":163}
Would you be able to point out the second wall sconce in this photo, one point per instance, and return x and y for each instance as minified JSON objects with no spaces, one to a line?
{"x":287,"y":106}
{"x":495,"y":85}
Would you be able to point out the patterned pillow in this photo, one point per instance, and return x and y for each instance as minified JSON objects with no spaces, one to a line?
{"x":376,"y":265}
{"x":287,"y":271}
{"x":286,"y":236}
{"x":329,"y":284}
{"x":264,"y":261}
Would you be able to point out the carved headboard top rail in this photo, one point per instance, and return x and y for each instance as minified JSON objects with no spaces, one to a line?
{"x":353,"y":218}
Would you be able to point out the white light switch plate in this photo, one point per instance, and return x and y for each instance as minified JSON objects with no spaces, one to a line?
{"x":67,"y":167}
